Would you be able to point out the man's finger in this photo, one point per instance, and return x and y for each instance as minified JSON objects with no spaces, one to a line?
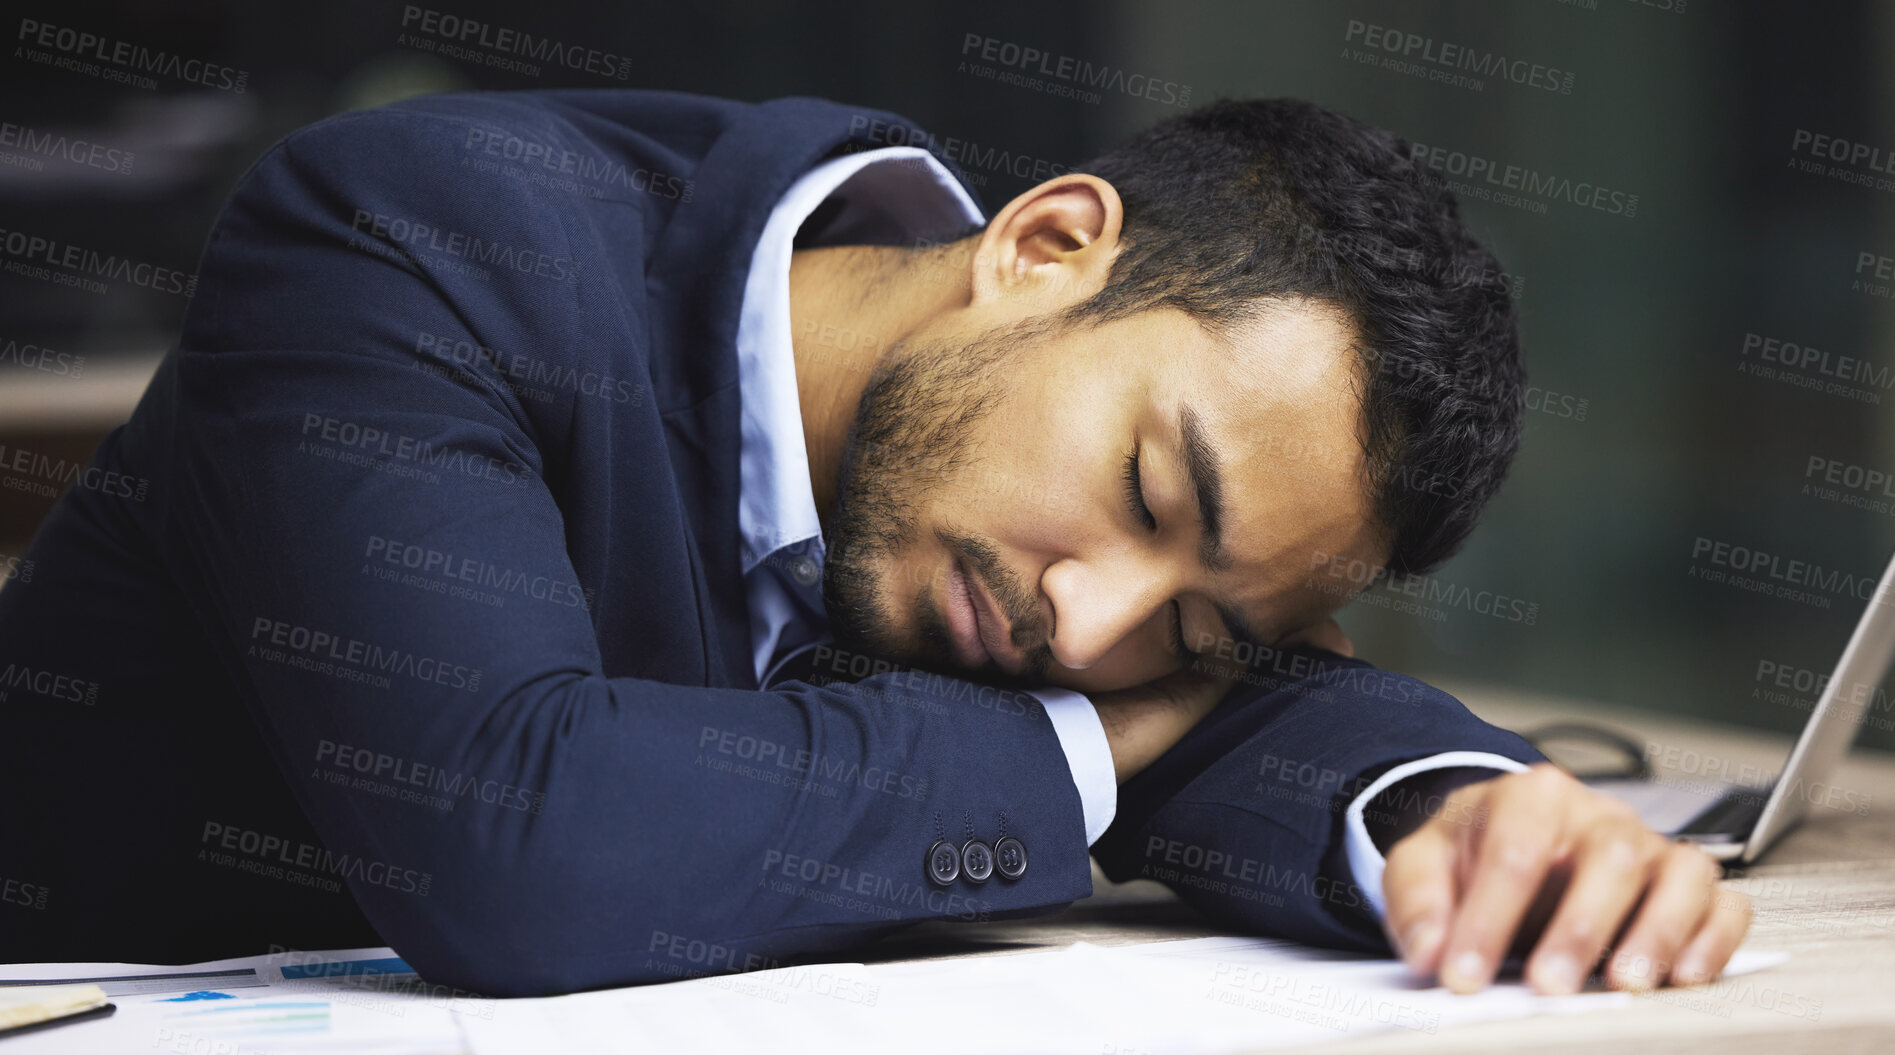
{"x":1613,"y":864}
{"x":1511,"y":853}
{"x":1673,"y":912}
{"x":1419,"y":887}
{"x":1704,"y":958}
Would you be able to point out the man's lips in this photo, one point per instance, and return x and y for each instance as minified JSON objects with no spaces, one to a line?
{"x":979,"y":633}
{"x":963,"y":623}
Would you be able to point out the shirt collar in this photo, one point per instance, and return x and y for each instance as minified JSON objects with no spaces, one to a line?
{"x":890,"y":196}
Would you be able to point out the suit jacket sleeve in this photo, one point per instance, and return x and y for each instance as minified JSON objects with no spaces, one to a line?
{"x":621,"y":829}
{"x":1244,"y":817}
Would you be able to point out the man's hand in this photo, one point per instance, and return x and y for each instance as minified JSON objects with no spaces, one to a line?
{"x":1144,"y":721}
{"x":1538,"y":855}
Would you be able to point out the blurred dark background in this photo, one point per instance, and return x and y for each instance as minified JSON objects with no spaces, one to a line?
{"x":1670,"y":435}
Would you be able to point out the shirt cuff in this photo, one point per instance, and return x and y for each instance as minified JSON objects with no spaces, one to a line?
{"x":1088,"y":756}
{"x":1364,"y":859}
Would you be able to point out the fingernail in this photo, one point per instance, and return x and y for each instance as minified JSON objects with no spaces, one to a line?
{"x":1420,"y":941}
{"x":1634,"y":972}
{"x":1465,"y":973}
{"x":1558,"y":974}
{"x":1691,"y":972}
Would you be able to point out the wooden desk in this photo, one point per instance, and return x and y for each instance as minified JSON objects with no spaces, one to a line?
{"x":1825,"y":894}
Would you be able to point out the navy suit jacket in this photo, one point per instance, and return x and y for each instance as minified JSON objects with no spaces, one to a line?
{"x":406,"y":608}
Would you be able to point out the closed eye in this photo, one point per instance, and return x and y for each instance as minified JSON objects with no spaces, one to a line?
{"x":1135,"y":491}
{"x":1177,"y":634}
{"x":1135,"y":501}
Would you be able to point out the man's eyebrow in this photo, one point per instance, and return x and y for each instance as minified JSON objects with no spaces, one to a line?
{"x":1203,"y":472}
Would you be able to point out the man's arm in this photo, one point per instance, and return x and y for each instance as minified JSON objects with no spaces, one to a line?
{"x":637,"y":828}
{"x":1245,"y":817}
{"x":1275,"y":812}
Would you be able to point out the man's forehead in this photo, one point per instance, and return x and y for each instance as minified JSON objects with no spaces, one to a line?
{"x":1283,"y":409}
{"x":1297,"y":564}
{"x":1298,"y":344}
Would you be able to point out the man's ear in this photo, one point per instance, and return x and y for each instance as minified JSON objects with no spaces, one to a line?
{"x":1055,"y":242}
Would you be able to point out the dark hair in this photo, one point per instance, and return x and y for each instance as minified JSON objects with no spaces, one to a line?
{"x":1242,"y":200}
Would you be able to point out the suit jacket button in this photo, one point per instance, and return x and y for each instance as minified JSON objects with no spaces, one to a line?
{"x":944,"y":863}
{"x":977,"y":860}
{"x":1010,"y":857}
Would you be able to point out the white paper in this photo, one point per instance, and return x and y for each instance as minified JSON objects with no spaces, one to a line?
{"x":1197,"y":996}
{"x":354,"y":1000}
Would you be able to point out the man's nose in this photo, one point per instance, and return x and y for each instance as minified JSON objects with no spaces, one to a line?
{"x":1094,"y":610}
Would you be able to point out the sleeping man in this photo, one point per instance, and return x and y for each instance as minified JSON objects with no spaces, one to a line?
{"x":583,"y":538}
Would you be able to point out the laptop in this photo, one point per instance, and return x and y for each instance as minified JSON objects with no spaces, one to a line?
{"x":1737,"y":823}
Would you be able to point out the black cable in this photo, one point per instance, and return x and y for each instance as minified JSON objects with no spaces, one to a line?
{"x":1637,"y":766}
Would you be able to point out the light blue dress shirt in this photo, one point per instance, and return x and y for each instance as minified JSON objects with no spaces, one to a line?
{"x":894,"y":196}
